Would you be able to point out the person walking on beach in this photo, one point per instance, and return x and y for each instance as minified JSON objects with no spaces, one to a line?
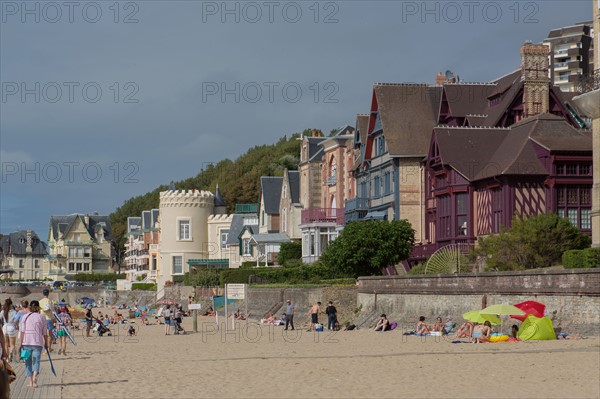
{"x":89,"y":320}
{"x":167,"y":315}
{"x":331,"y":313}
{"x":34,"y":338}
{"x":289,"y":314}
{"x":9,"y":327}
{"x":65,"y":323}
{"x":314,"y":311}
{"x":47,"y":307}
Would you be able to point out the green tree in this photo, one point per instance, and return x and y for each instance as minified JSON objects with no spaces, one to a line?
{"x":538,"y":241}
{"x":202,"y":278}
{"x":289,"y":251}
{"x":366,"y":248}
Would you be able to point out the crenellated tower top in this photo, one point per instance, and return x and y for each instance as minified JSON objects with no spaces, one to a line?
{"x":187,"y":198}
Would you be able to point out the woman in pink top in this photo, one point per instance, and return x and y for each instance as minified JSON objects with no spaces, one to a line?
{"x":34,"y":337}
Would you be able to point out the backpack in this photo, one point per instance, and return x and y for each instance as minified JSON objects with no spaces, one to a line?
{"x":393,"y":325}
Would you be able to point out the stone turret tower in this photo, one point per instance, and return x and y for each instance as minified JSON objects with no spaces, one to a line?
{"x":220,"y":205}
{"x":534,"y":69}
{"x":184,"y":230}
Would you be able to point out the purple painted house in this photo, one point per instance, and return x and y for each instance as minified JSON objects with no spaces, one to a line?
{"x":478,"y":178}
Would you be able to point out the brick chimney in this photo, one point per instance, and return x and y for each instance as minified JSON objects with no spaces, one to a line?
{"x":29,"y":247}
{"x":440,"y":79}
{"x":534,"y":72}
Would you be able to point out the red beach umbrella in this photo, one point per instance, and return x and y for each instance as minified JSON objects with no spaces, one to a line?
{"x":534,"y":308}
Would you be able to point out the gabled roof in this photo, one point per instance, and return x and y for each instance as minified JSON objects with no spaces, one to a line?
{"x":344,"y":130}
{"x":408,"y":113}
{"x":480,"y":153}
{"x":467,"y":98}
{"x":294,"y":181}
{"x":64,"y":223}
{"x":362,"y":125}
{"x":237,"y":224}
{"x":315,"y":151}
{"x":16,"y":244}
{"x":270,"y":188}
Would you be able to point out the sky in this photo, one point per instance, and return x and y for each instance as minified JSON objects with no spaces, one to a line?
{"x":102,"y":100}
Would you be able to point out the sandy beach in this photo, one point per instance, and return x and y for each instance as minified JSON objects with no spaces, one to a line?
{"x":264,"y":362}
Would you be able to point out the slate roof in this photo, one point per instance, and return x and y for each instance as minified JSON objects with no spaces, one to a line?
{"x":219,"y":201}
{"x":134,"y":224}
{"x":315,"y":151}
{"x":64,"y":223}
{"x":480,"y":153}
{"x":408,"y":113}
{"x":236,"y":226}
{"x":362,"y":125}
{"x":270,"y":188}
{"x":17,"y":242}
{"x":270,"y":238}
{"x":294,"y":180}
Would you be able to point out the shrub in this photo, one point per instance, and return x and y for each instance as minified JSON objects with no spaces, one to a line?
{"x":340,"y":281}
{"x":534,"y":242}
{"x":572,"y":259}
{"x":307,"y":274}
{"x":417,"y":269}
{"x":293,"y":263}
{"x":289,"y":251}
{"x":591,"y":257}
{"x":143,"y":286}
{"x":202,"y":278}
{"x":97,"y":277}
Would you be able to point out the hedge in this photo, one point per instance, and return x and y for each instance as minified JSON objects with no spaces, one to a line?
{"x":581,"y":258}
{"x":340,"y":281}
{"x":306,"y":274}
{"x":143,"y":286}
{"x":96,"y":277}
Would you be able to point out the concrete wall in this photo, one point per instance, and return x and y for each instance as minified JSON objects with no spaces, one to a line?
{"x":572,"y":297}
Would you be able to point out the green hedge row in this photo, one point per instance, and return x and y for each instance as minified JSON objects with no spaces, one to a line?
{"x":96,"y":277}
{"x":143,"y":286}
{"x":581,"y":258}
{"x":307,"y":274}
{"x":340,"y":281}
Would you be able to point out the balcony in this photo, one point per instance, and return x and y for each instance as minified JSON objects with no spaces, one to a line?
{"x":73,"y":242}
{"x":323,"y":215}
{"x":332,"y":181}
{"x":356,"y":204}
{"x":589,"y":100}
{"x":154,"y":247}
{"x":54,"y":257}
{"x":246,"y":208}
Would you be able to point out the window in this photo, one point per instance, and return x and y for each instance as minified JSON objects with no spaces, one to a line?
{"x":560,"y":169}
{"x":177,"y":265}
{"x":77,"y":237}
{"x":36,"y":263}
{"x":461,"y":214}
{"x":21,"y":263}
{"x":584,"y":169}
{"x":571,"y":168}
{"x":497,"y":208}
{"x":311,"y":244}
{"x":444,"y":216}
{"x":247,"y":247}
{"x":284,"y":191}
{"x":184,"y":230}
{"x":79,"y":252}
{"x":86,"y":252}
{"x":263,"y":218}
{"x":72,"y":253}
{"x":572,"y":216}
{"x":153,"y":262}
{"x":37,"y":275}
{"x":78,"y":267}
{"x":224,"y":235}
{"x":86,"y":267}
{"x":586,"y":219}
{"x":387,"y":188}
{"x":333,"y":168}
{"x":284,"y":220}
{"x":377,"y":186}
{"x":71,"y":266}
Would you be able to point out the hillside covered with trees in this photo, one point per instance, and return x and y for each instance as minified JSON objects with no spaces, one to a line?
{"x":238,"y":180}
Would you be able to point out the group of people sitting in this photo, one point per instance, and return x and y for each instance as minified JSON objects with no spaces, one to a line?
{"x":271,"y":320}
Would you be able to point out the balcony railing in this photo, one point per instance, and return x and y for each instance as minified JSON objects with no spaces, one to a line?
{"x":246,"y":208}
{"x":589,"y":83}
{"x":73,"y":242}
{"x":356,"y":204}
{"x":57,"y":272}
{"x":335,"y":215}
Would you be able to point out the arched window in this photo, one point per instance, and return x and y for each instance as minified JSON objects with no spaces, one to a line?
{"x":332,"y":167}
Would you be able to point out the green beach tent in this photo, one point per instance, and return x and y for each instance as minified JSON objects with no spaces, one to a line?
{"x":536,"y":329}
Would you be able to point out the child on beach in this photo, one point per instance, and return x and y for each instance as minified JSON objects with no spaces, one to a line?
{"x":64,"y":323}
